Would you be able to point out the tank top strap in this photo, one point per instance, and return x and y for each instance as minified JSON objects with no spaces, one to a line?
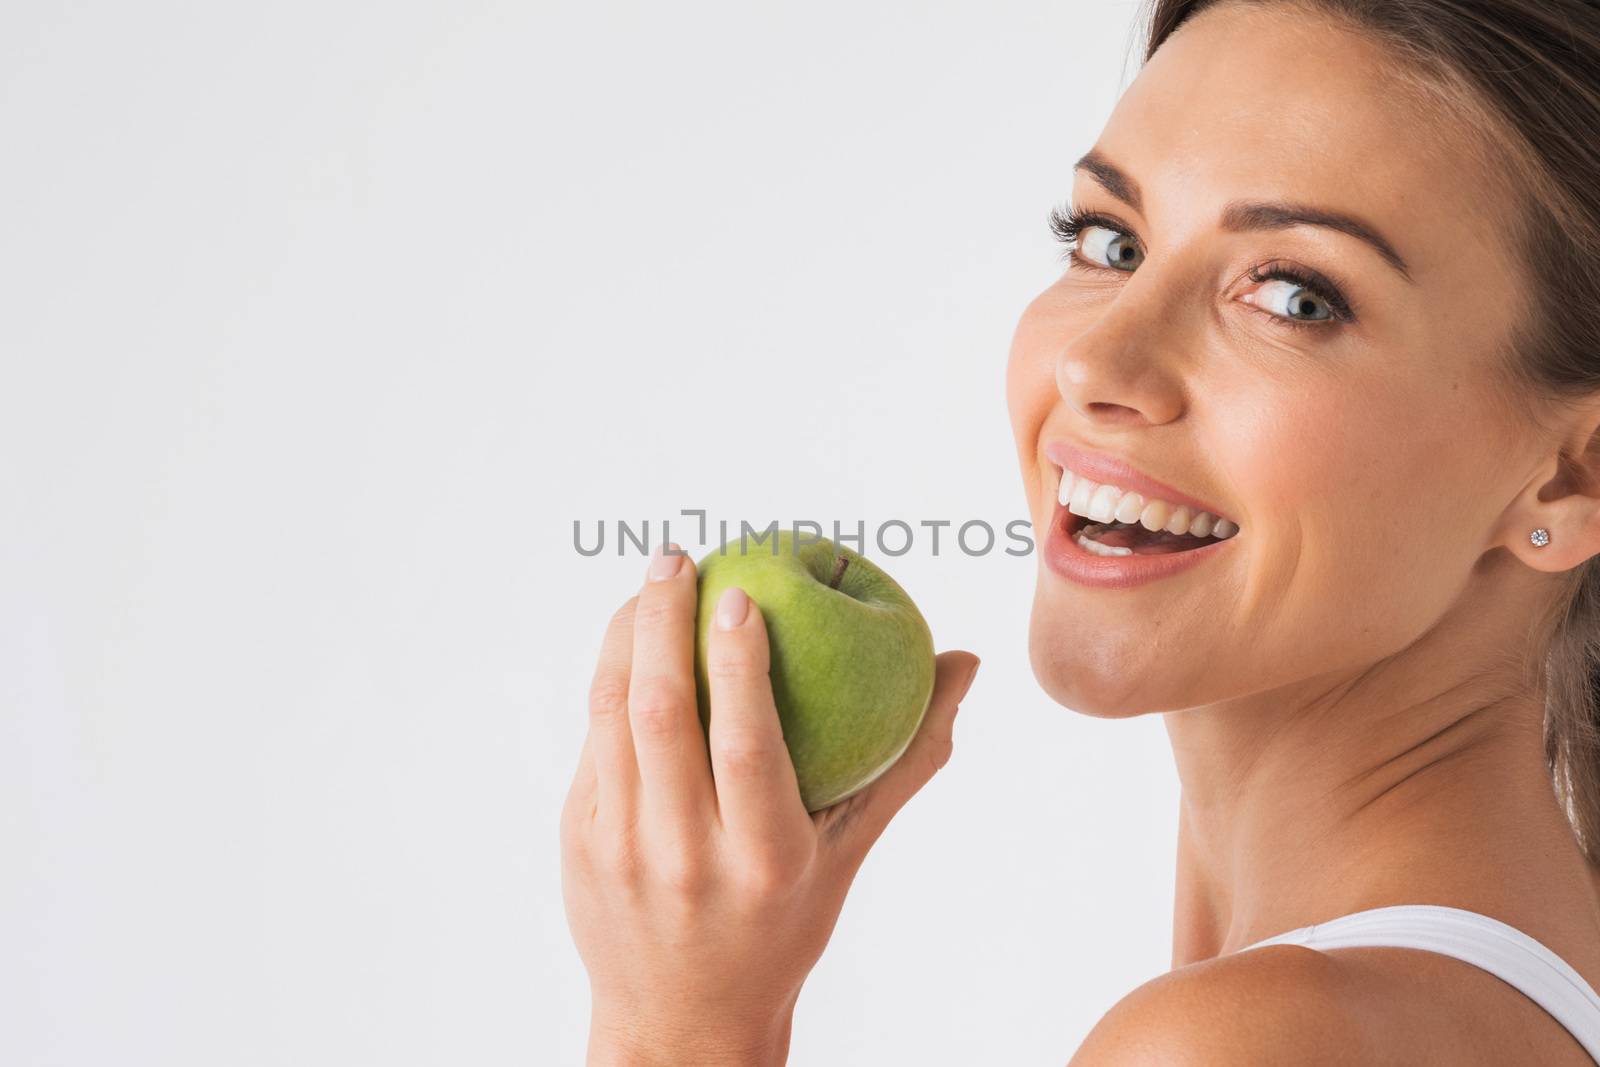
{"x":1489,"y":944}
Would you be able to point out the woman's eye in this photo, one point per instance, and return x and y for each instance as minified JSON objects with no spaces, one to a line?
{"x":1292,"y":294}
{"x":1291,"y":300}
{"x":1108,"y":248}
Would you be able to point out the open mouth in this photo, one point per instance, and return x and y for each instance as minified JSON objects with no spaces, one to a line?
{"x":1123,"y":538}
{"x":1106,"y":520}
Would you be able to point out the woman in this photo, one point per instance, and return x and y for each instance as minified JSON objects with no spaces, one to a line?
{"x":1333,"y":272}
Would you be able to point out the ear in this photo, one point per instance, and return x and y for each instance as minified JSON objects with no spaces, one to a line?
{"x":1563,"y":500}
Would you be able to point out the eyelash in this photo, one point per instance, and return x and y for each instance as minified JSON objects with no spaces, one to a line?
{"x":1067,"y":225}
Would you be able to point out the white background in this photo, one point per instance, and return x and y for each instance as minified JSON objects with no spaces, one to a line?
{"x":320,"y":323}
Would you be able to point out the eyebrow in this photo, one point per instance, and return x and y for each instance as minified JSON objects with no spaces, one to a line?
{"x":1242,"y":215}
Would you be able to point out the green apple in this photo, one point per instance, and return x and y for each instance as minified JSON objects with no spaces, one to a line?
{"x":852,"y":658}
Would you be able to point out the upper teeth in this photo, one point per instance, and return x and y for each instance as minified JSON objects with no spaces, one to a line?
{"x":1107,"y":503}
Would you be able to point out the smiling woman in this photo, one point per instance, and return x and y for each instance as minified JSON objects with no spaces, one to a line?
{"x":1331,"y":265}
{"x":1307,"y":424}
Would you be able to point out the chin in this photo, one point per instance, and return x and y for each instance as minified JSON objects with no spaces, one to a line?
{"x":1079,"y":677}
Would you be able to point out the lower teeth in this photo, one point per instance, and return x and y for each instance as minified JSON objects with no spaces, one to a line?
{"x":1147,"y":543}
{"x":1096,"y":548}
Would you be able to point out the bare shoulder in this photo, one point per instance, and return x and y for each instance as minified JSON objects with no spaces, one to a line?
{"x":1288,"y":1004}
{"x":1279,"y":1004}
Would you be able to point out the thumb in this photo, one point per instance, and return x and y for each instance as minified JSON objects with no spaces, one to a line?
{"x":857,"y":821}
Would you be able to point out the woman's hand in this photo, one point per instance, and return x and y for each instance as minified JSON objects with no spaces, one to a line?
{"x":699,"y":891}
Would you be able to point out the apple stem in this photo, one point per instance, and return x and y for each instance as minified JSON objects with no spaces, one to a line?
{"x":839,"y":564}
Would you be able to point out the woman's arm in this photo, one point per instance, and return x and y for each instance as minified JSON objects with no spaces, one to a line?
{"x":699,"y":890}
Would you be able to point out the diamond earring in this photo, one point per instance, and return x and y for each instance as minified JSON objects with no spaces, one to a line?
{"x":1540,"y":537}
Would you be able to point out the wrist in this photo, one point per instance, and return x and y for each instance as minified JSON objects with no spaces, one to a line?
{"x":624,"y":1040}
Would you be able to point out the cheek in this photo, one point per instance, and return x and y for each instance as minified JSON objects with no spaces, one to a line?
{"x":1350,"y":496}
{"x":1031,"y":397}
{"x":1030,"y":380}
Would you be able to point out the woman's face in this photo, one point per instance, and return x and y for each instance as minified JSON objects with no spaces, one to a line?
{"x":1367,"y":461}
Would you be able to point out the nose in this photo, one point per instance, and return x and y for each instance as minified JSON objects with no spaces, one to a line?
{"x":1119,"y":371}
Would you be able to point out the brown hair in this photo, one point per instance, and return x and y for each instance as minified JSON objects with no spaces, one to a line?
{"x":1525,"y":74}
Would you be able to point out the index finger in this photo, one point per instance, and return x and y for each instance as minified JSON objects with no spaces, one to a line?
{"x":757,"y":792}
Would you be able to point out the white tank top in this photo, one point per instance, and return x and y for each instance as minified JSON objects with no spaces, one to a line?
{"x":1502,"y":950}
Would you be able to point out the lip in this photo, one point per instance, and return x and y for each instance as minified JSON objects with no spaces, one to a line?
{"x":1108,"y":470}
{"x":1063,"y":555}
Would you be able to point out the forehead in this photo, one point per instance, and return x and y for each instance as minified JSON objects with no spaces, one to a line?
{"x":1249,"y":101}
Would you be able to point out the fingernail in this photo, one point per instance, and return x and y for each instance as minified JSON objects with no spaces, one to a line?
{"x":665,"y":562}
{"x":732,"y":607}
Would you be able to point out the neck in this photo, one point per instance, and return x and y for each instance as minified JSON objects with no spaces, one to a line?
{"x":1404,"y":781}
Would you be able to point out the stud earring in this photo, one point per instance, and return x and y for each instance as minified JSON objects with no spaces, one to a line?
{"x":1540,"y":537}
